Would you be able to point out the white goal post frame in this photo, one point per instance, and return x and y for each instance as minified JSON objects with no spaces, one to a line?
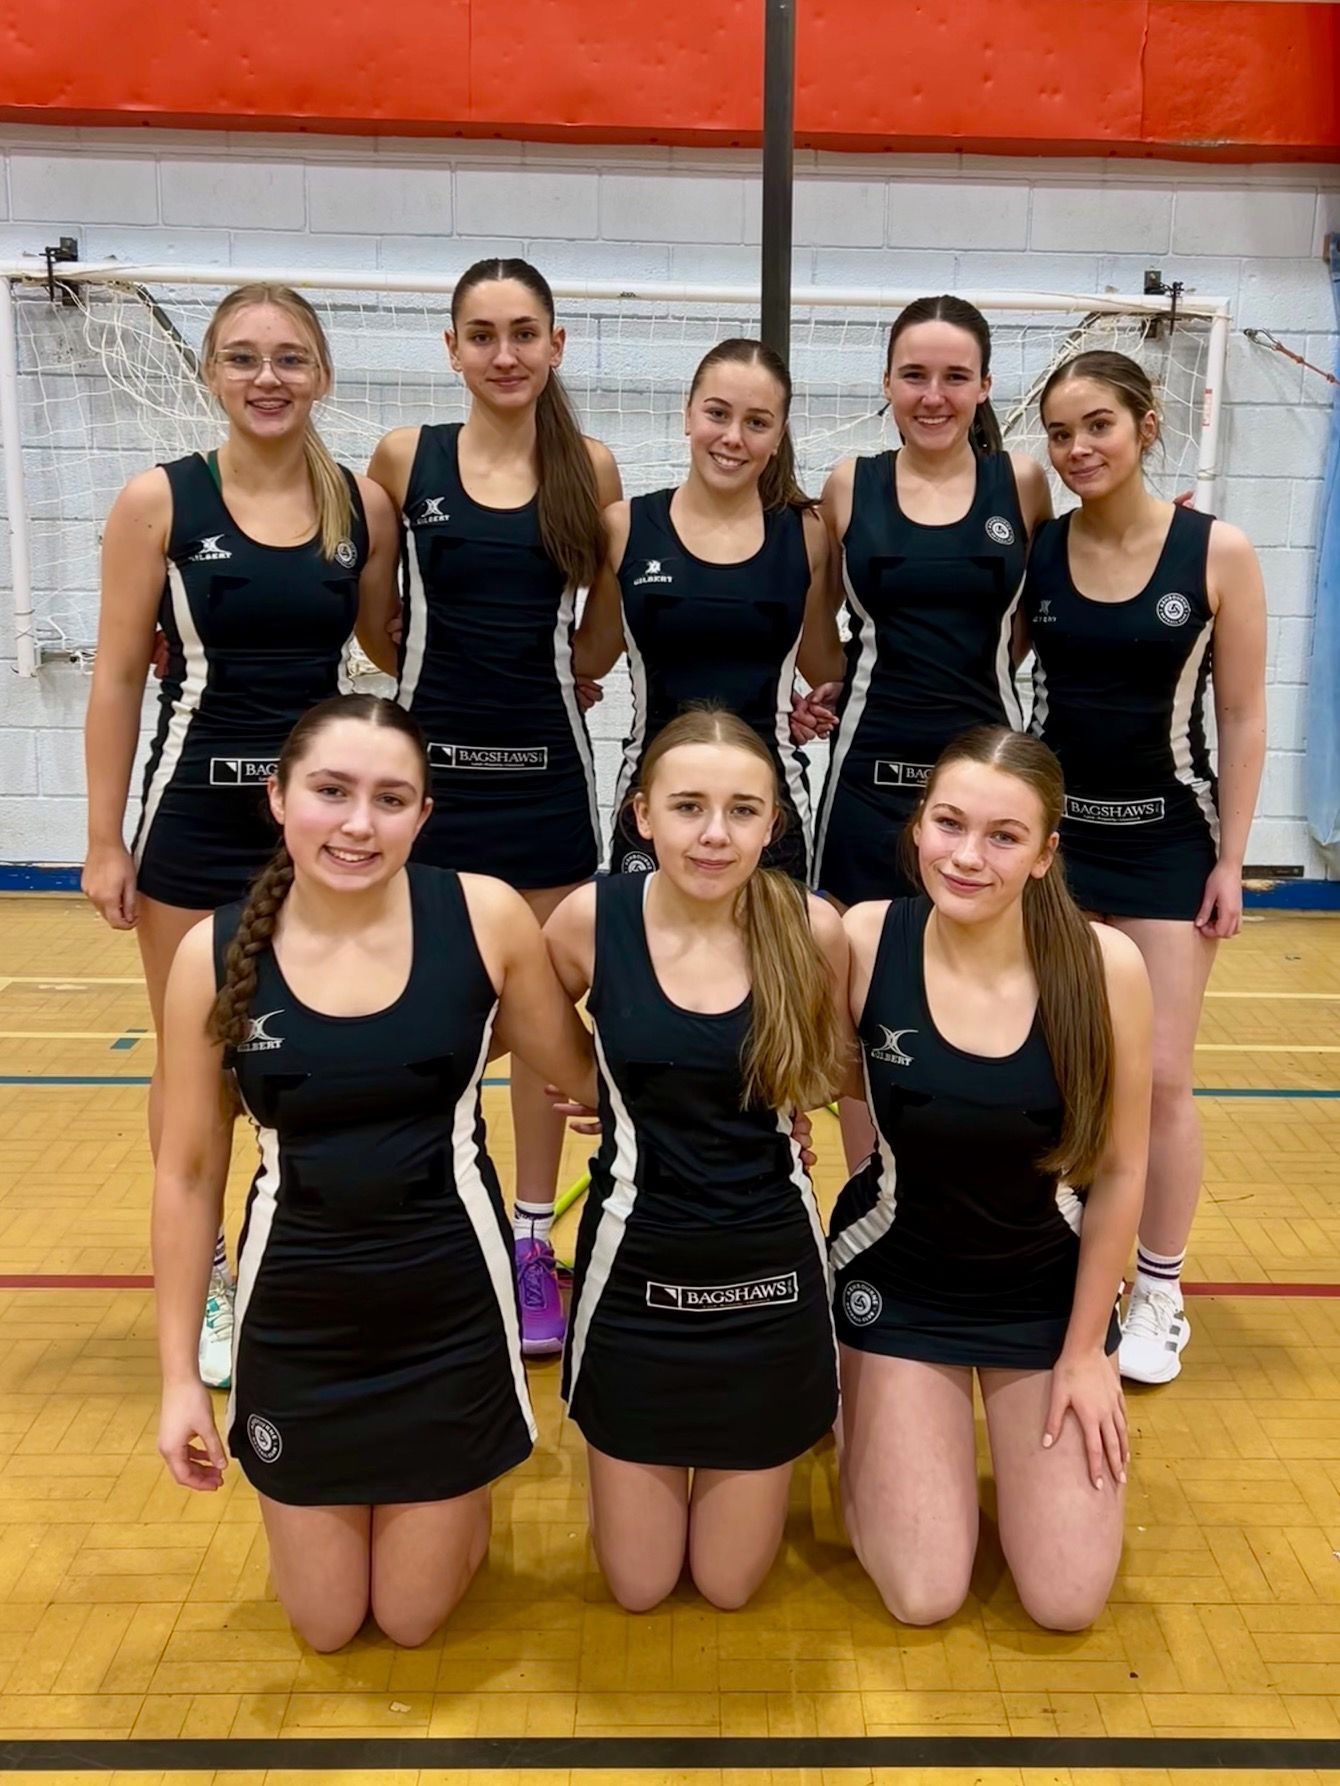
{"x":889,"y":300}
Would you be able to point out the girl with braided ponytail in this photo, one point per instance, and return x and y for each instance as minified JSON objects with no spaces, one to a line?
{"x":253,"y":565}
{"x":1007,"y":1046}
{"x":354,"y":999}
{"x":700,"y":1360}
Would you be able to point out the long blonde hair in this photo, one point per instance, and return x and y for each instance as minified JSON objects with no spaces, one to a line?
{"x":330,"y":489}
{"x":1063,"y":951}
{"x":793,"y":1055}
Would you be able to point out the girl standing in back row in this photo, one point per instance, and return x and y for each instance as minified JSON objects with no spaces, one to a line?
{"x":1128,"y":596}
{"x":502,"y":532}
{"x":718,"y":590}
{"x":257,"y":561}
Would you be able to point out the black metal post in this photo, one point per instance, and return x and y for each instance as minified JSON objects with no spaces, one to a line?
{"x":779,"y":112}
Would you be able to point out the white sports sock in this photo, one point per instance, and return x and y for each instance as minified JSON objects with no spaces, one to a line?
{"x":221,"y":1255}
{"x":532,"y":1221}
{"x":1159,"y":1271}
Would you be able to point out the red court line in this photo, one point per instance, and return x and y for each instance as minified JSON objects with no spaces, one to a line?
{"x":118,"y":1281}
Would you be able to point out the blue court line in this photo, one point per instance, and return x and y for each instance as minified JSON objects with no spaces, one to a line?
{"x":129,"y":1039}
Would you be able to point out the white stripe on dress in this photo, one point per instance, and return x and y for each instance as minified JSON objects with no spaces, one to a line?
{"x":567,"y":687}
{"x":483,"y":1217}
{"x":416,"y":606}
{"x":184,"y":707}
{"x":613,"y":1218}
{"x":851,"y":717}
{"x":789,"y":756}
{"x":1179,"y":730}
{"x":259,"y":1221}
{"x":1005,"y":682}
{"x":859,"y":1236}
{"x":637,"y":736}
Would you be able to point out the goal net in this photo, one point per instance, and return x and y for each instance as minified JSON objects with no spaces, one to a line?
{"x":108,"y":383}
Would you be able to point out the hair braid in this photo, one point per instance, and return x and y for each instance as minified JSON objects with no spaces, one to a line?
{"x":255,"y":930}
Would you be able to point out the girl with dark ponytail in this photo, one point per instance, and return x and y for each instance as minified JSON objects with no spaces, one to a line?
{"x":1007,"y":1049}
{"x":502,"y":536}
{"x":350,"y":1003}
{"x":700,"y":1360}
{"x":718,"y":589}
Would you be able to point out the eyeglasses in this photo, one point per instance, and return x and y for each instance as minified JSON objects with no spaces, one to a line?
{"x":291,"y":365}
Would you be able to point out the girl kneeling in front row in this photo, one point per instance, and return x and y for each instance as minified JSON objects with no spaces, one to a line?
{"x":1006,"y":1044}
{"x":378,"y":1387}
{"x":700,"y":1358}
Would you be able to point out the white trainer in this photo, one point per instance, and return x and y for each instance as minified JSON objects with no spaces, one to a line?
{"x":1152,"y":1337}
{"x":216,"y":1335}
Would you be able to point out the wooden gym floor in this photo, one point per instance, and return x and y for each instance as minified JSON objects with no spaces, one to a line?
{"x":138,"y":1633}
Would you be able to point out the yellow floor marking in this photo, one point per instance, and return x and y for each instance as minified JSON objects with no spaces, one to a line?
{"x":1264,"y":1048}
{"x":72,"y":1035}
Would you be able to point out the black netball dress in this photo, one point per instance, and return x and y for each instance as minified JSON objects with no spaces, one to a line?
{"x":1119,"y":695}
{"x":699,"y":1332}
{"x":255,"y":636}
{"x":377,"y":1350}
{"x":486,"y":669}
{"x":932,"y":612}
{"x":951,"y":1244}
{"x":725,"y":633}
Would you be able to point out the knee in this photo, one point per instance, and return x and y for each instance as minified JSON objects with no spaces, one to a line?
{"x":1062,"y":1606}
{"x":727,"y":1590}
{"x":329,"y":1629}
{"x":408,"y":1626}
{"x":917,"y":1595}
{"x":638,"y":1593}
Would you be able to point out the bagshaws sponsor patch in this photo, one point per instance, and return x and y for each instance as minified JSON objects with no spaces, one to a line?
{"x":505,"y":757}
{"x":708,"y":1298}
{"x":901,"y":775}
{"x":240,"y":772}
{"x":1114,"y":812}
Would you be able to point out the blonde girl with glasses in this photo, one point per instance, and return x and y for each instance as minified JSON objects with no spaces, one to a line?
{"x":257,"y":561}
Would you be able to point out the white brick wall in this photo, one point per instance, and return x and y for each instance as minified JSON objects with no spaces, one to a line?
{"x":929,"y":221}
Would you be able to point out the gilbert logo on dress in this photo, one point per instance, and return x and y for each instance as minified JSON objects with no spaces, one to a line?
{"x":1114,"y":812}
{"x":1173,"y":609}
{"x":705,"y":1298}
{"x":430,"y":512}
{"x":504,"y":757}
{"x":208,"y":549}
{"x":1000,"y":530}
{"x":265,"y":1439}
{"x":259,"y":1040}
{"x":240,"y":772}
{"x":652,"y":574}
{"x":891,"y":1048}
{"x":1044,"y":612}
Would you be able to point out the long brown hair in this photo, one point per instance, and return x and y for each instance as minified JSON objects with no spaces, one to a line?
{"x":985,"y":433}
{"x":330,"y":489}
{"x":793,"y":1056}
{"x":570,"y":524}
{"x":1063,"y":951}
{"x":1126,"y":378}
{"x":778,"y":487}
{"x":228,"y":1019}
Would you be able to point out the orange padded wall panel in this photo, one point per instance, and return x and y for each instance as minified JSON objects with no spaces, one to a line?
{"x":1224,"y":79}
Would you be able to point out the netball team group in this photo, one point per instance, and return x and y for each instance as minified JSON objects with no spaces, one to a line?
{"x":992,"y":947}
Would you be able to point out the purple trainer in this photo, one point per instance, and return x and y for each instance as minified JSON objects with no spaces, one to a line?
{"x":541,"y":1306}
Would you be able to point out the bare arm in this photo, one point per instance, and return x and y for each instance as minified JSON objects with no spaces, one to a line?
{"x":831,"y":935}
{"x":536,"y":1019}
{"x":609,"y":485}
{"x":391,"y":463}
{"x":821,"y":657}
{"x":134,"y":547}
{"x":598,"y":642}
{"x":864,"y":925}
{"x":378,"y":597}
{"x":188,"y":1197}
{"x":1240,"y":716}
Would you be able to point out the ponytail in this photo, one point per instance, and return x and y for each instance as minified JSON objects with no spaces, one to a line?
{"x":779,"y":487}
{"x":570,"y":524}
{"x":330,"y":493}
{"x":1067,"y":963}
{"x":984,"y":434}
{"x":1063,"y":952}
{"x":792,"y":1059}
{"x":228,"y":1018}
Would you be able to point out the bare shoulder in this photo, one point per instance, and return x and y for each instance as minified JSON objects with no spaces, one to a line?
{"x":192,"y":973}
{"x":574,"y":916}
{"x":399,"y":442}
{"x":618,"y":519}
{"x":1230,"y":549}
{"x":373,"y":495}
{"x":864,"y":923}
{"x":840,"y":479}
{"x":816,"y":534}
{"x":493,"y":905}
{"x":146,"y":499}
{"x":825,"y":920}
{"x":602,"y":459}
{"x":1123,"y":963}
{"x":1028,"y":474}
